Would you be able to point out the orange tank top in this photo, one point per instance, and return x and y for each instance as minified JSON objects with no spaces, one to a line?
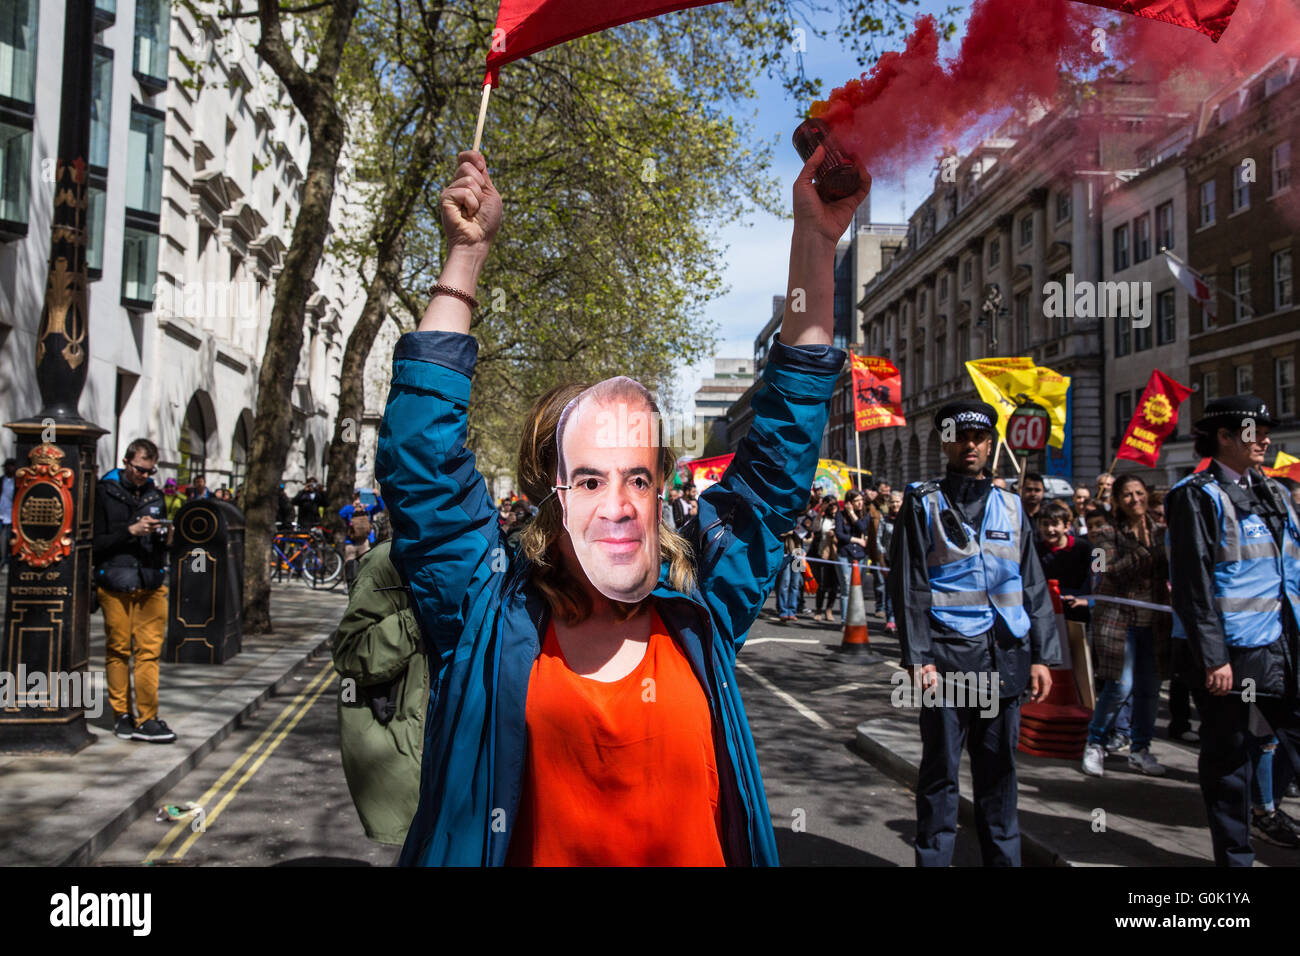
{"x":619,"y":773}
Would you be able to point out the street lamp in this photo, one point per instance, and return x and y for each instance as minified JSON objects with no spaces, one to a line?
{"x":47,"y":606}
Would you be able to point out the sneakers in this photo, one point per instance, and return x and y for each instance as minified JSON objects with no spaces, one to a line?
{"x":1118,"y":744}
{"x":1143,"y":762}
{"x":1186,"y":735}
{"x":154,"y":731}
{"x":1275,"y":828}
{"x":1094,"y":759}
{"x":1292,"y":790}
{"x":124,"y":726}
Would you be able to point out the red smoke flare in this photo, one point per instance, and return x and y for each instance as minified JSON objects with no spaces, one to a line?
{"x":1015,"y":52}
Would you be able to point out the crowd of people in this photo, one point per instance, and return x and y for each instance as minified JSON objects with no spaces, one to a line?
{"x":1105,"y":542}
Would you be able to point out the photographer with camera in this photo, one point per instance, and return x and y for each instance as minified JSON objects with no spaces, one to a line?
{"x":130,"y":546}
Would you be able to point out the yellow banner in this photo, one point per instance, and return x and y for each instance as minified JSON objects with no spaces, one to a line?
{"x":1007,"y":383}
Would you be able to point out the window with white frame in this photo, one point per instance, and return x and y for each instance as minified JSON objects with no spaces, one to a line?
{"x":1026,"y":231}
{"x":1210,"y":386}
{"x":1282,"y":297}
{"x":1241,"y":289}
{"x":1284,"y":377}
{"x":1240,"y":189}
{"x":1165,"y":225}
{"x":1245,"y":375}
{"x":1281,"y":166}
{"x":1207,"y":203}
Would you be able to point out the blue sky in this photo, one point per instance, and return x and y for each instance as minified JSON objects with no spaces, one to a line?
{"x":757,"y":253}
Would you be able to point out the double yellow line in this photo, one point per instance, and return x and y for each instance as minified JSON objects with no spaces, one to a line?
{"x":293,"y":712}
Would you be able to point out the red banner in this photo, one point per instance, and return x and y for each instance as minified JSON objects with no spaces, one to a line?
{"x":526,"y":26}
{"x":1154,"y":420}
{"x":877,"y":393}
{"x":1207,"y":16}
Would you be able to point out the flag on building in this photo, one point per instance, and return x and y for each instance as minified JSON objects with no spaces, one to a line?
{"x":1196,"y":286}
{"x":877,"y":393}
{"x":1154,"y":419}
{"x":525,"y":27}
{"x":1008,"y":383}
{"x":1207,"y":16}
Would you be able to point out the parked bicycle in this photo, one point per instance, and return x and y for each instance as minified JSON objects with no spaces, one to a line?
{"x":308,"y":555}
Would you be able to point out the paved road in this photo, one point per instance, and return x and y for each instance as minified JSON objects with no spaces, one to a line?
{"x":274,"y":791}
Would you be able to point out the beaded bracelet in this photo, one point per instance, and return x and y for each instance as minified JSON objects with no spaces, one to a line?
{"x":440,"y":289}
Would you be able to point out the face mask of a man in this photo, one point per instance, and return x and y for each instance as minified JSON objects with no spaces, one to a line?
{"x":608,"y":483}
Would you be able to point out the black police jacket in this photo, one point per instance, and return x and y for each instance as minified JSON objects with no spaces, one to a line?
{"x":925,"y":641}
{"x":123,"y":561}
{"x":1193,"y":537}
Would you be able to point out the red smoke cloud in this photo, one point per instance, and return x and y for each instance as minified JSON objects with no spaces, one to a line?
{"x":1017,"y":51}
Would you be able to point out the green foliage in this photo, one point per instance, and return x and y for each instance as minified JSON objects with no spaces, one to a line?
{"x":620,"y":156}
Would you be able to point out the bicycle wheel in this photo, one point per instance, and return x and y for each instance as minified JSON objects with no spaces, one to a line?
{"x":322,"y":566}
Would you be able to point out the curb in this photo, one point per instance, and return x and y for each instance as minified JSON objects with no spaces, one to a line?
{"x":96,"y":829}
{"x":877,"y":751}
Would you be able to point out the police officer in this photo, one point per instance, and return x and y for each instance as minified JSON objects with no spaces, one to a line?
{"x":971,"y":603}
{"x":1234,"y":567}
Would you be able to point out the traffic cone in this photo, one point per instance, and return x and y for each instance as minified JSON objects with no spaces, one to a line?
{"x":1058,"y":725}
{"x":856,"y":644}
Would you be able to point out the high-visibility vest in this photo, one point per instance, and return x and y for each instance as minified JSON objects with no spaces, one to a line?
{"x":969,"y":584}
{"x":1251,"y":574}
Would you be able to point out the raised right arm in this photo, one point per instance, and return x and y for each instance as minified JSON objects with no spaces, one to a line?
{"x":446,"y":540}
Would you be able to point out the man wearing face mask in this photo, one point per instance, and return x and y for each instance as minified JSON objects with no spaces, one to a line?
{"x":585,"y":707}
{"x":1234,"y":571}
{"x":972,"y":605}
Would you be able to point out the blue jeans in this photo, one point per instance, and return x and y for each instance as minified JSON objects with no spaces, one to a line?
{"x":883,"y":604}
{"x":1261,"y":751}
{"x":788,"y":583}
{"x":845,"y":569}
{"x":1140,"y":679}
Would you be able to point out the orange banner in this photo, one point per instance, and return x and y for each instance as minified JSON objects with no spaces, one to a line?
{"x":877,"y":393}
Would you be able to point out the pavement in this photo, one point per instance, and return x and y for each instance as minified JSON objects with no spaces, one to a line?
{"x":59,"y":810}
{"x":840,"y":761}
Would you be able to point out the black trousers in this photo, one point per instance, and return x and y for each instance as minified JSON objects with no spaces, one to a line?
{"x":991,"y":742}
{"x":1225,"y":767}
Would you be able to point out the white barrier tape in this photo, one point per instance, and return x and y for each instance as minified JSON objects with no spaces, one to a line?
{"x":1128,"y":601}
{"x":873,"y":567}
{"x":1091,"y":597}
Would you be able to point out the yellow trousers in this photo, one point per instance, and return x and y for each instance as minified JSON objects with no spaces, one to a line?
{"x":135,"y":623}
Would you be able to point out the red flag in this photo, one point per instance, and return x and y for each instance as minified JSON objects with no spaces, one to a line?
{"x":1208,"y":16}
{"x":1154,"y":420}
{"x":877,"y":393}
{"x":708,"y":471}
{"x":526,"y":26}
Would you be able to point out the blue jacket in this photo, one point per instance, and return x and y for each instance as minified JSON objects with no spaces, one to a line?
{"x":483,"y":620}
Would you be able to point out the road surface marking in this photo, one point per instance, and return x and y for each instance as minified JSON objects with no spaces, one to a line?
{"x":806,"y":711}
{"x":182,"y":825}
{"x":326,"y":671}
{"x":841,"y":688}
{"x":781,"y":640}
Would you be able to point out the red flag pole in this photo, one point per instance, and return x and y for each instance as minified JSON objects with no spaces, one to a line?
{"x":482,"y":114}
